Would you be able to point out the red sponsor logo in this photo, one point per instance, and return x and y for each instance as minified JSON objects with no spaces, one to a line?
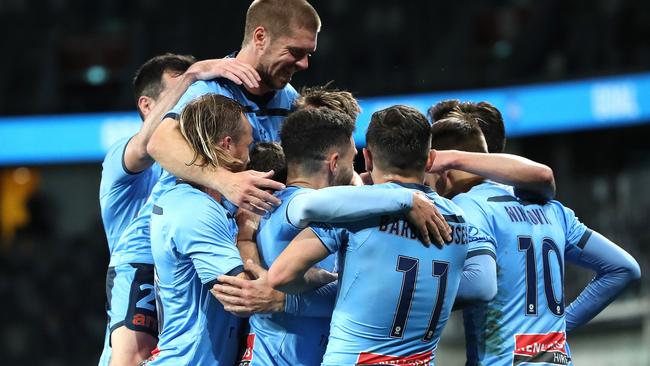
{"x":418,"y":359}
{"x":532,"y":344}
{"x":248,"y":354}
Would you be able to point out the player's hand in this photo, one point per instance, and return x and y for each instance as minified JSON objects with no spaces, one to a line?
{"x":244,"y":297}
{"x":444,"y":160}
{"x":425,"y":217}
{"x":317,"y":277}
{"x":229,"y":68}
{"x":356,"y":180}
{"x":247,"y":190}
{"x":366,"y":178}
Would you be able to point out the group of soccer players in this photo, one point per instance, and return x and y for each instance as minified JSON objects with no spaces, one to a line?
{"x":302,"y":261}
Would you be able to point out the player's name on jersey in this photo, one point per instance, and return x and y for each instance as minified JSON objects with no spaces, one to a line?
{"x":534,"y":216}
{"x":400,"y":227}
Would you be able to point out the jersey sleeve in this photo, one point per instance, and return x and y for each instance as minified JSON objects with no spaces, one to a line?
{"x":316,"y":303}
{"x":204,"y":234}
{"x":576,"y":232}
{"x":346,"y":204}
{"x":614,"y":268}
{"x":197,"y":89}
{"x":332,"y":238}
{"x":480,"y":234}
{"x":113,"y":168}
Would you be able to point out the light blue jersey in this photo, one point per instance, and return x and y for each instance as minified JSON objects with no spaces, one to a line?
{"x":193,"y":241}
{"x":281,"y":338}
{"x":265,"y":113}
{"x":134,"y":244}
{"x":266,"y":119}
{"x":395,"y":294}
{"x":298,"y":336}
{"x":122,"y":193}
{"x":525,"y":323}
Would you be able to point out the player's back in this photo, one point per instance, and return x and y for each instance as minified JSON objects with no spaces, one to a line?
{"x":281,"y":338}
{"x":121,"y":192}
{"x":395,"y":294}
{"x":525,"y":321}
{"x":193,"y":242}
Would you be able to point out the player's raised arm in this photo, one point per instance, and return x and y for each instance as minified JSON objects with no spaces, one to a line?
{"x":614,"y":268}
{"x":349,"y":203}
{"x":136,"y":157}
{"x":506,"y":169}
{"x":288,"y":272}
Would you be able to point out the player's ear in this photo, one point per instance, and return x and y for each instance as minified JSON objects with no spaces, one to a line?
{"x":226,"y":143}
{"x":333,"y":162}
{"x":260,"y":37}
{"x":430,"y":160}
{"x":367,"y":158}
{"x":145,"y":104}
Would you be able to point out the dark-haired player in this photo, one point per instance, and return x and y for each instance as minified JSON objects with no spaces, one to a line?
{"x":395,"y":296}
{"x":526,"y":322}
{"x":319,"y":151}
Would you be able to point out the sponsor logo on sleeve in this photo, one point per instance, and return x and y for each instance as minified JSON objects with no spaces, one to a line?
{"x":248,"y":353}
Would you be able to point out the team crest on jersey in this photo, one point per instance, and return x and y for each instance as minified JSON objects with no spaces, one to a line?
{"x":248,"y":353}
{"x":547,"y":348}
{"x":418,"y":359}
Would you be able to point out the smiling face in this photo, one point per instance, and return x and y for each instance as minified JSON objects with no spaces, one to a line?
{"x":282,"y":57}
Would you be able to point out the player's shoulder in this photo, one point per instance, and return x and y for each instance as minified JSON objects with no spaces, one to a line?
{"x":285,"y":97}
{"x":486,"y":192}
{"x":116,"y":150}
{"x":220,"y":86}
{"x":182,"y":201}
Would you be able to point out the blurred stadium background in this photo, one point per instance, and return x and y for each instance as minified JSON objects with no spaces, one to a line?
{"x":572,"y":78}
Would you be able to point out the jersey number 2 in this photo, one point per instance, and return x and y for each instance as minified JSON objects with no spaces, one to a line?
{"x":556,"y":306}
{"x":409,"y":266}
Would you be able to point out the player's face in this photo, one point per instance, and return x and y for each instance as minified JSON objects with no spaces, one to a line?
{"x":345,"y":169}
{"x":285,"y":56}
{"x":240,"y":149}
{"x":169,"y":80}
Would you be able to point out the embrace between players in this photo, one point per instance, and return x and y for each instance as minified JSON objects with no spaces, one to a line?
{"x":328,"y":272}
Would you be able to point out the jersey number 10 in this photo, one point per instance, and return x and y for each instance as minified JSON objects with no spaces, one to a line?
{"x":409,"y":266}
{"x":556,"y":306}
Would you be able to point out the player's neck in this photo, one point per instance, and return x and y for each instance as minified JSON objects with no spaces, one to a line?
{"x":247,"y":56}
{"x":463,"y":181}
{"x":379,"y":176}
{"x":313,"y":182}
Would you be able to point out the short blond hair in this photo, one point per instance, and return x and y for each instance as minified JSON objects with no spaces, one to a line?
{"x":206,"y":121}
{"x":280,"y":18}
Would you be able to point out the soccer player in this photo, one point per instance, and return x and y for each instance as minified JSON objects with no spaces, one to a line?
{"x":128,"y":177}
{"x":279,"y":37}
{"x":394,"y":295}
{"x":526,"y":322}
{"x":319,"y":152}
{"x":193,"y":241}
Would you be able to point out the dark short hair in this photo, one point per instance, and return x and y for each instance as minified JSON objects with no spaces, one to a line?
{"x":321,"y":96}
{"x":454,"y":133}
{"x":308,"y":135}
{"x":486,"y":116}
{"x":265,"y":156}
{"x":280,"y":18}
{"x":148,"y":78}
{"x":399,"y":138}
{"x":441,"y":109}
